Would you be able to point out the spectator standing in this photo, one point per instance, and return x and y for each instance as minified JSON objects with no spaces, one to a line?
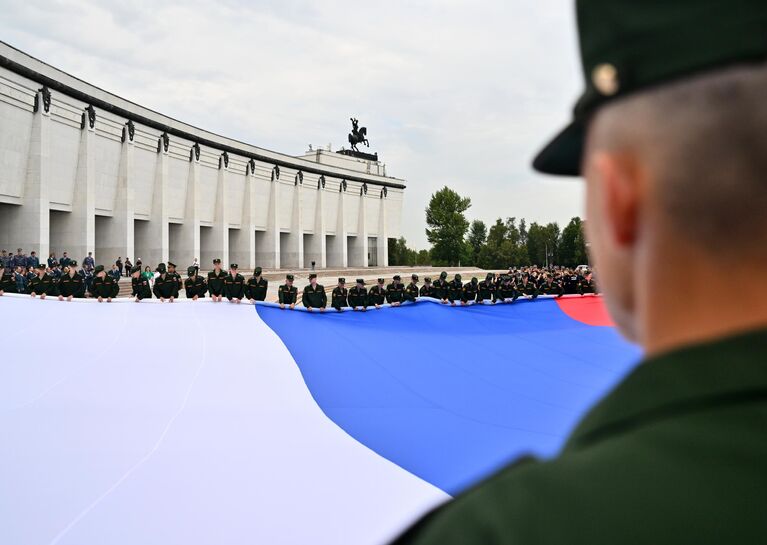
{"x":21,"y":280}
{"x":33,"y":261}
{"x":129,"y":267}
{"x":65,"y":260}
{"x":119,"y":264}
{"x":51,"y":259}
{"x":147,"y":274}
{"x":115,"y":273}
{"x":5,"y":259}
{"x":19,"y":260}
{"x":88,"y":262}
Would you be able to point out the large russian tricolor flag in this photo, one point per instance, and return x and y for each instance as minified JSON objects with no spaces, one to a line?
{"x":198,"y":423}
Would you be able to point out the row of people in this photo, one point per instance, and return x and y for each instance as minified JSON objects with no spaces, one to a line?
{"x":71,"y":284}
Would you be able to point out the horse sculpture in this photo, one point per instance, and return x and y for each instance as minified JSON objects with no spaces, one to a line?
{"x":358,"y":135}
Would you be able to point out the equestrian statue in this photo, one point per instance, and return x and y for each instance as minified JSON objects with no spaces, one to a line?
{"x":358,"y":135}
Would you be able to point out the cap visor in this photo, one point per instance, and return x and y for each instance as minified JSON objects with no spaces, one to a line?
{"x":562,"y":156}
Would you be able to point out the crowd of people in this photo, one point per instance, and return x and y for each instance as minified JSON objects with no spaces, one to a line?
{"x":66,"y":280}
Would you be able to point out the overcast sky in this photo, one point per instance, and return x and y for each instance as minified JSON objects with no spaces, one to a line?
{"x":456,"y":93}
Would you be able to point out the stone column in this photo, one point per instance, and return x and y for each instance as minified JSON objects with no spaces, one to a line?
{"x":338,"y":254}
{"x":152,"y":240}
{"x":116,"y":234}
{"x":188,"y":242}
{"x":383,"y":241}
{"x":79,"y":226}
{"x":219,"y":247}
{"x":269,"y":251}
{"x":317,"y":250}
{"x":293,"y":255}
{"x":242,"y":241}
{"x":32,"y":230}
{"x":361,"y":259}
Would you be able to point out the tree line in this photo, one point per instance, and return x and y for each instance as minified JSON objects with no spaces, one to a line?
{"x":506,"y":243}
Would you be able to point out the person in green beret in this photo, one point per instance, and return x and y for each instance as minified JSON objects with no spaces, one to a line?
{"x":339,"y":298}
{"x":257,"y":286}
{"x":671,"y":138}
{"x":140,"y":288}
{"x":314,"y":295}
{"x":358,"y":296}
{"x":194,"y":285}
{"x":287,"y":294}
{"x":103,"y":286}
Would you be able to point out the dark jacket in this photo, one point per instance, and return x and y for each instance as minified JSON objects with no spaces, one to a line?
{"x":104,"y":287}
{"x":377,"y":295}
{"x":339,"y":297}
{"x":256,"y":288}
{"x":140,"y":288}
{"x":165,"y":288}
{"x":72,"y":285}
{"x":395,"y":292}
{"x":358,"y":297}
{"x":216,"y":282}
{"x":42,"y":285}
{"x":195,"y":286}
{"x":314,"y":297}
{"x":411,"y":292}
{"x":234,"y":287}
{"x":287,"y":295}
{"x":470,"y":292}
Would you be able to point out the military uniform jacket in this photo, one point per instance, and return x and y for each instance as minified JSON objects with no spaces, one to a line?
{"x":506,"y":291}
{"x":486,"y":291}
{"x":177,"y":283}
{"x":44,"y":285}
{"x":104,"y":287}
{"x":395,"y":292}
{"x":140,"y":288}
{"x":411,"y":292}
{"x":555,"y":288}
{"x":426,"y":291}
{"x":287,"y":295}
{"x":71,"y":285}
{"x":439,"y":288}
{"x":216,"y":282}
{"x":195,"y":286}
{"x":358,"y":297}
{"x":234,"y":286}
{"x":164,"y":288}
{"x":377,"y":295}
{"x":314,"y":296}
{"x":339,"y":297}
{"x":454,"y":290}
{"x":8,"y":283}
{"x":526,"y":289}
{"x":675,"y":454}
{"x":256,"y":288}
{"x":470,"y":292}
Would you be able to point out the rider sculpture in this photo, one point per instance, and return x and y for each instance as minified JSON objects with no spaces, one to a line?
{"x":358,"y":135}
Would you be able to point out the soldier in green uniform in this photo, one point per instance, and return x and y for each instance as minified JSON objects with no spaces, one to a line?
{"x":550,"y":287}
{"x":670,"y":138}
{"x":257,"y":286}
{"x":164,"y":285}
{"x":140,"y":288}
{"x":377,"y":294}
{"x":455,"y":290}
{"x":194,"y":285}
{"x":395,"y":292}
{"x":339,"y":298}
{"x":505,"y":291}
{"x":358,"y":296}
{"x":486,"y":290}
{"x":216,"y":279}
{"x":411,"y":291}
{"x":42,"y":284}
{"x":175,"y":278}
{"x":314,"y":295}
{"x":71,"y":284}
{"x":427,"y":290}
{"x":587,"y":284}
{"x":103,"y":285}
{"x":439,"y":288}
{"x":234,"y":285}
{"x":470,"y":290}
{"x":7,"y":281}
{"x":287,"y":293}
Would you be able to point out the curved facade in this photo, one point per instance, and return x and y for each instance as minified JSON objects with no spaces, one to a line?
{"x":84,"y":170}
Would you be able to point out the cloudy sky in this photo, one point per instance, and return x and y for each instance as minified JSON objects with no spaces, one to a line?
{"x":456,"y":93}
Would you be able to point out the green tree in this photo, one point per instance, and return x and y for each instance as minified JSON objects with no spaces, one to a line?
{"x":477,"y":238}
{"x":572,"y":247}
{"x":542,"y":239}
{"x":447,"y":225}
